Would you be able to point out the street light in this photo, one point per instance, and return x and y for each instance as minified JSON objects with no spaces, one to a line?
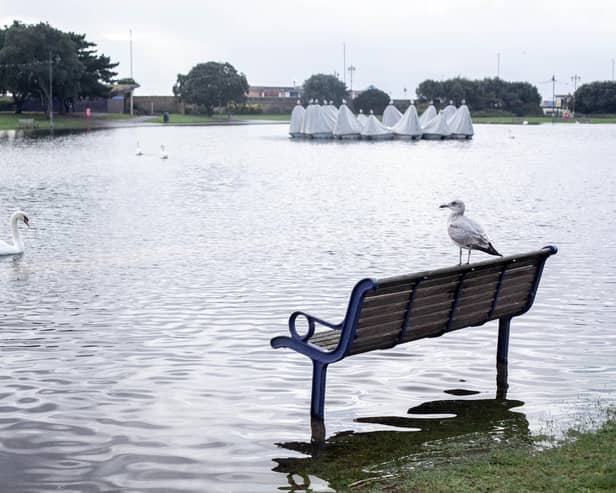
{"x":55,"y":59}
{"x":574,"y":79}
{"x":351,"y":69}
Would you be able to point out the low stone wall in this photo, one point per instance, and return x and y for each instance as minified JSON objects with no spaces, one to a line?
{"x":150,"y":105}
{"x":159,"y":104}
{"x":274,"y":105}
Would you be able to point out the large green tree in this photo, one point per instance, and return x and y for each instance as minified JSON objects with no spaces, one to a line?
{"x":596,"y":97}
{"x":372,"y":99}
{"x":211,"y":85}
{"x":324,"y":87}
{"x":31,"y":55}
{"x":517,"y":97}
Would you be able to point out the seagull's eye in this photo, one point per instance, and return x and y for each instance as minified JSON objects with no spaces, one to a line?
{"x":454,"y":203}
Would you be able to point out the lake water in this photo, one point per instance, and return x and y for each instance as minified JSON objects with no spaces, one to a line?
{"x":135,"y":329}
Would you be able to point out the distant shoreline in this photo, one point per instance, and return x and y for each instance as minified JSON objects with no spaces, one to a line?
{"x":38,"y":121}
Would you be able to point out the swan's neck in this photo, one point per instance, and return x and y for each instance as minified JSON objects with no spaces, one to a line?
{"x":17,"y":241}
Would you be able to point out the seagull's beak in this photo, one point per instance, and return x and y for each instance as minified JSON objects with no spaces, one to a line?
{"x":443,"y":206}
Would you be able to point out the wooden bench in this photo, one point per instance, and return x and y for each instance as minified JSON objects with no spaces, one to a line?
{"x":384,"y":313}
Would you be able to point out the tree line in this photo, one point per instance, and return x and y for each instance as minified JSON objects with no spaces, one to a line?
{"x":519,"y":98}
{"x":596,"y":97}
{"x":32,"y":54}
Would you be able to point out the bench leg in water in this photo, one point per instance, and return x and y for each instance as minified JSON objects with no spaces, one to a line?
{"x":317,"y":404}
{"x":317,"y":427}
{"x":501,"y":354}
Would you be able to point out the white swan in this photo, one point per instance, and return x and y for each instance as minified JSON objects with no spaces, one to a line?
{"x":139,"y":152}
{"x":18,"y":245}
{"x":163,"y":153}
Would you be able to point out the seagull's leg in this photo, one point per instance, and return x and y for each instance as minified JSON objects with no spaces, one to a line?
{"x":468,"y":261}
{"x":460,"y":257}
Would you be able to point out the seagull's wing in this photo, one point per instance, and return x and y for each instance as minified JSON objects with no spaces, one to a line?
{"x":467,"y":232}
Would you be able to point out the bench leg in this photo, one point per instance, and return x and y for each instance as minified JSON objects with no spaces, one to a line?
{"x":317,"y":405}
{"x":501,"y":353}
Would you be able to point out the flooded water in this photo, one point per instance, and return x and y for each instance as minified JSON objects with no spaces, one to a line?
{"x":135,"y":328}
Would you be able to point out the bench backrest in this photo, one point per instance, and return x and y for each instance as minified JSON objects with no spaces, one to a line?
{"x":429,"y":304}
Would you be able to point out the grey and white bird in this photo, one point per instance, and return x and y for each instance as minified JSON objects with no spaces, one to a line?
{"x":466,"y":233}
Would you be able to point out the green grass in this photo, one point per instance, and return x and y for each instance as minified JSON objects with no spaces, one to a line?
{"x":10,"y":121}
{"x":196,"y":119}
{"x":517,"y":120}
{"x":584,"y":461}
{"x":265,"y":116}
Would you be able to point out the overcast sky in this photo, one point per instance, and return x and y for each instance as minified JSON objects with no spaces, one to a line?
{"x":392,"y":44}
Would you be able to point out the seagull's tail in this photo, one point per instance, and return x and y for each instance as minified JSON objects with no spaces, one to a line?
{"x":490,"y":249}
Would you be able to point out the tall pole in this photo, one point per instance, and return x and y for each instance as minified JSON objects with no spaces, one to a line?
{"x":498,"y":65}
{"x":351,"y":70}
{"x":574,"y":79}
{"x":612,"y":70}
{"x":344,"y":62}
{"x":553,"y":96}
{"x":50,"y":93}
{"x":131,"y":69}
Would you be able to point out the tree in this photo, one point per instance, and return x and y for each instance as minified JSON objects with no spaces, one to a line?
{"x":372,"y":99}
{"x":520,"y":98}
{"x":98,"y":69}
{"x":324,"y":87}
{"x":596,"y":97}
{"x":28,"y":53}
{"x":211,"y":85}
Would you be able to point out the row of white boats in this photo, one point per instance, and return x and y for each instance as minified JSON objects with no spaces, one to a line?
{"x":326,"y":122}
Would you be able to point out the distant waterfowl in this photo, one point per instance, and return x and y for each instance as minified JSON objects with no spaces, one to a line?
{"x":163,"y":153}
{"x":18,"y":245}
{"x":138,"y":151}
{"x":466,"y":233}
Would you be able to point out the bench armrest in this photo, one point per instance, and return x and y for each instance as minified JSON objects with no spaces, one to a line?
{"x":311,"y":325}
{"x":301,"y":343}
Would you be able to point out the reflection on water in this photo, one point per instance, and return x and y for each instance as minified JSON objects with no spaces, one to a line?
{"x":134,"y":330}
{"x":438,"y":431}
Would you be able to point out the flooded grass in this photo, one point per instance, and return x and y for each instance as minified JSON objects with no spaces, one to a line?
{"x":584,"y":460}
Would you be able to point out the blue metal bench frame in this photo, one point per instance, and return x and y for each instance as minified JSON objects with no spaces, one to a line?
{"x":322,"y":358}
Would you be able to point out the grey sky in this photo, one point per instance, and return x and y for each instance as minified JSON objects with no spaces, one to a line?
{"x":393,"y":44}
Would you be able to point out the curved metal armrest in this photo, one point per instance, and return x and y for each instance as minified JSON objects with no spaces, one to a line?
{"x":311,"y":325}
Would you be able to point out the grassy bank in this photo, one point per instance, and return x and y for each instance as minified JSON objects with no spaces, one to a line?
{"x":517,"y":120}
{"x":197,"y":119}
{"x":583,"y":461}
{"x":10,"y":121}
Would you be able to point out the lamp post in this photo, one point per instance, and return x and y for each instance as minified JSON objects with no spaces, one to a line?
{"x":130,"y":31}
{"x":553,"y":96}
{"x":574,"y":79}
{"x":50,"y":93}
{"x":351,"y":69}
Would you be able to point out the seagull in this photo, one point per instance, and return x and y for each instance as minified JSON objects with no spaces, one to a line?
{"x":163,"y":153}
{"x":138,"y":151}
{"x":465,"y":232}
